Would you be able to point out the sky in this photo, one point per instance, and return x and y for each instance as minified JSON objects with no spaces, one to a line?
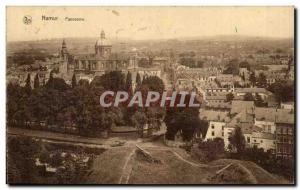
{"x":140,"y":23}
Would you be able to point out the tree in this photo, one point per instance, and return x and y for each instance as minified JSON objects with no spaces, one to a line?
{"x":138,"y":81}
{"x":114,"y":81}
{"x":188,"y":61}
{"x":229,"y":97}
{"x":144,"y":62}
{"x":111,"y":118}
{"x":259,"y":101}
{"x":128,"y":81}
{"x":15,"y":102}
{"x":203,"y":127}
{"x":144,"y":77}
{"x":243,"y":76}
{"x":50,"y":80}
{"x":74,"y":82}
{"x":262,"y":80}
{"x":154,"y":83}
{"x":183,"y":119}
{"x":283,"y":90}
{"x":83,"y":82}
{"x":248,"y":97}
{"x":237,"y":140}
{"x":139,"y":119}
{"x":245,"y":64}
{"x":28,"y":84}
{"x":209,"y":150}
{"x":21,"y":153}
{"x":36,"y":83}
{"x":252,"y":78}
{"x":232,"y":67}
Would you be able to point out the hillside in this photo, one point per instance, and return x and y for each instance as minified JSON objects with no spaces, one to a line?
{"x":172,"y":166}
{"x":130,"y":162}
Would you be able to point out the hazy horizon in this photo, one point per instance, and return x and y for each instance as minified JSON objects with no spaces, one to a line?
{"x":151,"y":23}
{"x":165,"y":39}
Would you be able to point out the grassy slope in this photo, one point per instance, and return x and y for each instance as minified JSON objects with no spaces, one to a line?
{"x":261,"y":175}
{"x":107,"y":168}
{"x":171,"y":171}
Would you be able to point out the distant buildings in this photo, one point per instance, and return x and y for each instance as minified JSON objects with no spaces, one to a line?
{"x":87,"y":66}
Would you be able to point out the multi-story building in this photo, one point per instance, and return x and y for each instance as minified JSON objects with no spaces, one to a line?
{"x":285,"y":134}
{"x":90,"y":65}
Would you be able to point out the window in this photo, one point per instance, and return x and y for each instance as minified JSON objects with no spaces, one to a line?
{"x":212,"y":126}
{"x":248,"y":139}
{"x":254,"y":140}
{"x":223,"y":127}
{"x":261,"y":141}
{"x":283,"y":150}
{"x":212,"y":133}
{"x":222,"y":134}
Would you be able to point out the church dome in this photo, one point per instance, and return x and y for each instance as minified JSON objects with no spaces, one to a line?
{"x":102,"y":41}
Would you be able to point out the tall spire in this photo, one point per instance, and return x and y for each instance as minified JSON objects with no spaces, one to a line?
{"x":64,"y":45}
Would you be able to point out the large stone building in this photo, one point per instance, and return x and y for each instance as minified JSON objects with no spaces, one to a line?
{"x":90,"y":65}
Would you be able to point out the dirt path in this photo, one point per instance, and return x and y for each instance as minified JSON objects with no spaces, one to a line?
{"x":193,"y":163}
{"x":61,"y":138}
{"x":54,"y":136}
{"x":127,"y":168}
{"x":189,"y":162}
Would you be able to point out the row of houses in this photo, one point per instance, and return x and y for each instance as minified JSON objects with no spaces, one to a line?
{"x":268,"y":128}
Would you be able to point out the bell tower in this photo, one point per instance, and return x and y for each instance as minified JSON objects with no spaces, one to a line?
{"x":64,"y":51}
{"x":64,"y":56}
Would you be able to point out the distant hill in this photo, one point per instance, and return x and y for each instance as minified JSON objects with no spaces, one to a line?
{"x":203,"y":45}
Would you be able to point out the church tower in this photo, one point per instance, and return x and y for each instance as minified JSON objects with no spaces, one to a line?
{"x":64,"y":51}
{"x":103,"y":46}
{"x":64,"y":56}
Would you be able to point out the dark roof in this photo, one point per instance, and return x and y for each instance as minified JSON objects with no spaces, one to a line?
{"x":238,"y":105}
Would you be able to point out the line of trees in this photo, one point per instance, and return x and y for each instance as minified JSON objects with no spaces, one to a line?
{"x":77,"y":105}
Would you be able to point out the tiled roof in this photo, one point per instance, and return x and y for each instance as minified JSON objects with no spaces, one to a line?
{"x":238,"y":105}
{"x":274,"y":115}
{"x":252,"y":90}
{"x":216,"y":97}
{"x":248,"y":128}
{"x":285,"y":116}
{"x":214,"y":115}
{"x":225,"y":105}
{"x":265,"y":114}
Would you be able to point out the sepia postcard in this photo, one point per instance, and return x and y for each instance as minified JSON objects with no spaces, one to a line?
{"x":150,"y":95}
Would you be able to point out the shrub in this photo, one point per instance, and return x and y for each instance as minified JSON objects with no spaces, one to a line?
{"x":209,"y":150}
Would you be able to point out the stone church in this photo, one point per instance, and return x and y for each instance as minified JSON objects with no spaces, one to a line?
{"x":87,"y":66}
